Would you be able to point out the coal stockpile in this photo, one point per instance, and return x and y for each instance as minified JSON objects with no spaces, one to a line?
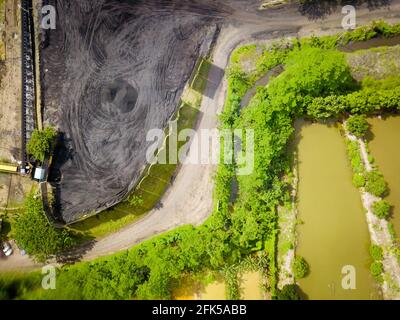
{"x":111,"y":71}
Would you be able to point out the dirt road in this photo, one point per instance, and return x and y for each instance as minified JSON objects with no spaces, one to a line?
{"x":189,"y":200}
{"x":10,"y":86}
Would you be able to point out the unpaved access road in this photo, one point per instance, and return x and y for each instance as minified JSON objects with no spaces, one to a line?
{"x":189,"y":199}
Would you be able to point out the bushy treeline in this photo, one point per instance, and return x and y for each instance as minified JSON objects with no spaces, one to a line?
{"x":378,"y":28}
{"x":35,"y":234}
{"x":368,"y":101}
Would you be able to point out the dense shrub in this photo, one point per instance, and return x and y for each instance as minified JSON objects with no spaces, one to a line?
{"x":358,"y":180}
{"x":389,"y":83}
{"x":310,"y":73}
{"x":375,"y":183}
{"x":357,"y":163}
{"x":376,"y":28}
{"x":36,"y":235}
{"x":288,"y":292}
{"x":376,"y":252}
{"x":16,"y":286}
{"x":41,"y":142}
{"x":376,"y":268}
{"x":367,"y":101}
{"x":300,"y":268}
{"x":357,"y":125}
{"x":381,"y":209}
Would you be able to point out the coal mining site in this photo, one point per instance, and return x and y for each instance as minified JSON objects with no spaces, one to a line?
{"x":111,"y":71}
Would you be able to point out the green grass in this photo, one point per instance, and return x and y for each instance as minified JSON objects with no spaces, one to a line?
{"x":377,"y":63}
{"x":16,"y":285}
{"x":199,"y":82}
{"x":158,"y":179}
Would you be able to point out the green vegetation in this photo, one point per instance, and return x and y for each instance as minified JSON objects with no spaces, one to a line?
{"x":376,"y":269}
{"x":288,"y":292}
{"x":42,"y":142}
{"x":17,"y":286}
{"x":358,"y":125}
{"x":357,"y":163}
{"x":391,"y":82}
{"x":376,"y":252}
{"x":366,"y":101}
{"x":375,"y":183}
{"x":33,"y":232}
{"x":151,"y":270}
{"x":381,"y":209}
{"x":378,"y":63}
{"x":358,"y":180}
{"x":300,"y":268}
{"x":232,"y":283}
{"x":135,"y":200}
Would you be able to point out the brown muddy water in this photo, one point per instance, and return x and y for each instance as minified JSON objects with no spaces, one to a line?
{"x":385,"y":148}
{"x":249,"y":289}
{"x":333,"y":232}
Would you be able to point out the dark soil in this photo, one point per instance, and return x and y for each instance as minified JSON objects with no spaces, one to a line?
{"x":112,"y":71}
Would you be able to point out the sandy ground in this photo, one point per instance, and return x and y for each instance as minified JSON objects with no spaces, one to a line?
{"x":10,"y":92}
{"x":189,"y":200}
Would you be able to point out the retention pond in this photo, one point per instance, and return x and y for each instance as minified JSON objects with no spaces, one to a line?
{"x":333,"y":232}
{"x":385,"y":148}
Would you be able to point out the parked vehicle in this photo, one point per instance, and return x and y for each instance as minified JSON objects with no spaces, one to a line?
{"x":7,"y":249}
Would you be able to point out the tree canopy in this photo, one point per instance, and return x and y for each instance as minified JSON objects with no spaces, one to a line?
{"x":300,"y":267}
{"x":41,"y":142}
{"x":381,"y":209}
{"x":288,"y":292}
{"x":358,"y":125}
{"x":33,"y":232}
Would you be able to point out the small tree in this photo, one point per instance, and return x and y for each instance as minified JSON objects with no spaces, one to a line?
{"x":300,"y":267}
{"x":376,"y":252}
{"x":381,"y":209}
{"x":358,"y":126}
{"x":359,"y":180}
{"x":33,"y":232}
{"x":376,"y":269}
{"x":375,"y":183}
{"x":288,"y":292}
{"x":41,"y":142}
